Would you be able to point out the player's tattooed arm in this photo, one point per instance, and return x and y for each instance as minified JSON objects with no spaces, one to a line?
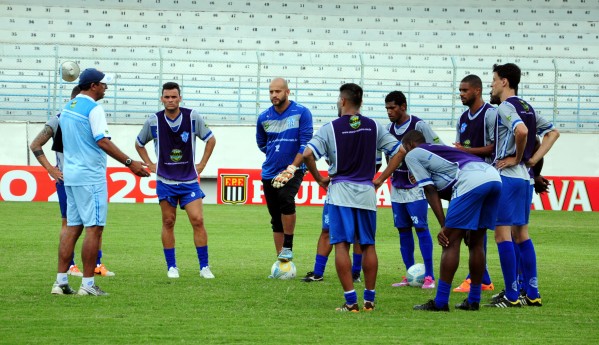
{"x":36,"y":148}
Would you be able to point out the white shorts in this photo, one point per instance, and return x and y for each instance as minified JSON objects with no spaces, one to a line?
{"x":87,"y":205}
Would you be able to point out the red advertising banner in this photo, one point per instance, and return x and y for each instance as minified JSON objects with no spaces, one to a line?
{"x":244,"y":186}
{"x":28,"y":183}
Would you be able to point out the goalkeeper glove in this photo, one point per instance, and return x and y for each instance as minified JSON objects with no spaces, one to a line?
{"x":283,"y":177}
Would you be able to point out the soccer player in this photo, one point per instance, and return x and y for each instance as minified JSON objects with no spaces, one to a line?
{"x":282,"y":132}
{"x":407,"y":199}
{"x":52,"y":130}
{"x":350,"y":142}
{"x":174,"y":131}
{"x":324,"y":247}
{"x":516,"y":128}
{"x":86,"y":141}
{"x":475,"y":187}
{"x":475,"y":134}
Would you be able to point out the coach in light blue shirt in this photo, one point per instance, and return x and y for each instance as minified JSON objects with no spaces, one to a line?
{"x":86,"y":141}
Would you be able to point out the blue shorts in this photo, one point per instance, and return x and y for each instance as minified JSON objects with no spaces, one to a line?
{"x":182,"y":193}
{"x":406,"y":215}
{"x":348,"y":223}
{"x":531,"y":191}
{"x":62,"y":198}
{"x":87,"y":205}
{"x":325,"y":217}
{"x":476,"y":209}
{"x":514,"y":204}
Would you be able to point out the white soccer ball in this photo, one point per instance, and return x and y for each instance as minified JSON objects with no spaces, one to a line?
{"x":69,"y":71}
{"x":415,"y":275}
{"x":283,"y":270}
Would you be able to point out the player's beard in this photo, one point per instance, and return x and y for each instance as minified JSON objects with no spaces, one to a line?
{"x":279,"y":102}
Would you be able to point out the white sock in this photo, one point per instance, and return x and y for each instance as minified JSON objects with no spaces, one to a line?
{"x":62,"y":278}
{"x":87,"y":282}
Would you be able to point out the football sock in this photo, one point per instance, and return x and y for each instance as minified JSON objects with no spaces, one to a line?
{"x":72,"y":259}
{"x":474,"y":294}
{"x":320,"y":264}
{"x":99,"y":258}
{"x":426,"y":248}
{"x":357,"y":264}
{"x":406,"y":247}
{"x":350,"y":297}
{"x":87,"y":282}
{"x":529,"y":268}
{"x":442,"y":297}
{"x":519,"y":270}
{"x":507,"y":258}
{"x":369,"y":295}
{"x":486,"y":276}
{"x":288,"y":241}
{"x":202,"y":256}
{"x":62,"y":278}
{"x":169,"y":255}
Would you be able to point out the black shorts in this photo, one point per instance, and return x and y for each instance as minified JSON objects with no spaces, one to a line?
{"x":281,"y":201}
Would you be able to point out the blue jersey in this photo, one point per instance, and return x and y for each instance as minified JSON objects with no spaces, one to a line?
{"x":83,"y":123}
{"x":282,"y":136}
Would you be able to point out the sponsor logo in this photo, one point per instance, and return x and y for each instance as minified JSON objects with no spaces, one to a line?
{"x":234,"y":188}
{"x":354,"y":122}
{"x":176,"y":155}
{"x":463,"y":127}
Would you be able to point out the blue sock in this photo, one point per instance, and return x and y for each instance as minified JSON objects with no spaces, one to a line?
{"x":519,"y":271}
{"x":529,"y":268}
{"x":406,"y":247}
{"x":442,"y":297}
{"x":320,"y":264}
{"x":169,"y":255}
{"x":426,"y":248}
{"x":72,"y":259}
{"x":99,"y":258}
{"x":202,"y":256}
{"x":369,"y":295}
{"x":486,"y":276}
{"x":357,"y":264}
{"x":350,"y":297}
{"x":507,"y":258}
{"x":475,"y":292}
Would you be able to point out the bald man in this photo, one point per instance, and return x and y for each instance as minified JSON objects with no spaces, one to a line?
{"x":282,"y":132}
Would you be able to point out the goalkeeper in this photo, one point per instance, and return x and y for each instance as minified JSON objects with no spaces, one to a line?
{"x":282,"y":132}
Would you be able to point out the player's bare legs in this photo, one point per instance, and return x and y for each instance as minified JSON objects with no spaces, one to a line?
{"x":68,"y":238}
{"x":169,"y":216}
{"x":89,"y":250}
{"x":278,"y":238}
{"x":343,"y":265}
{"x":370,"y":264}
{"x":324,"y":247}
{"x":196,"y":217}
{"x":450,"y":255}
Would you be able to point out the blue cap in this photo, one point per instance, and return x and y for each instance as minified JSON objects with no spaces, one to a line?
{"x":92,"y":75}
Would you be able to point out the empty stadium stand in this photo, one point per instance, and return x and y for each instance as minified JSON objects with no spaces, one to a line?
{"x":224,"y":54}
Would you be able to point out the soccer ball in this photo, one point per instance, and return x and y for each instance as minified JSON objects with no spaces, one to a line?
{"x":69,"y":71}
{"x":415,"y":275}
{"x":283,"y":270}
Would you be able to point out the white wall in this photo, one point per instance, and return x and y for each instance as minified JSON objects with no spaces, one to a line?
{"x":572,"y":155}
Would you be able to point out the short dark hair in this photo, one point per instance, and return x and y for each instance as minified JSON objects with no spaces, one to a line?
{"x":171,"y":85}
{"x":76,"y":91}
{"x":509,"y":71}
{"x":352,"y":93}
{"x":473,"y":80}
{"x":396,"y":96}
{"x":413,"y":138}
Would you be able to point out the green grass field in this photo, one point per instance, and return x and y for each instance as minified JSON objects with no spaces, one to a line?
{"x":242,"y":306}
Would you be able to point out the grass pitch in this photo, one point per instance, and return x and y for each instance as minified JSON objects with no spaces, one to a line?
{"x":242,"y":306}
